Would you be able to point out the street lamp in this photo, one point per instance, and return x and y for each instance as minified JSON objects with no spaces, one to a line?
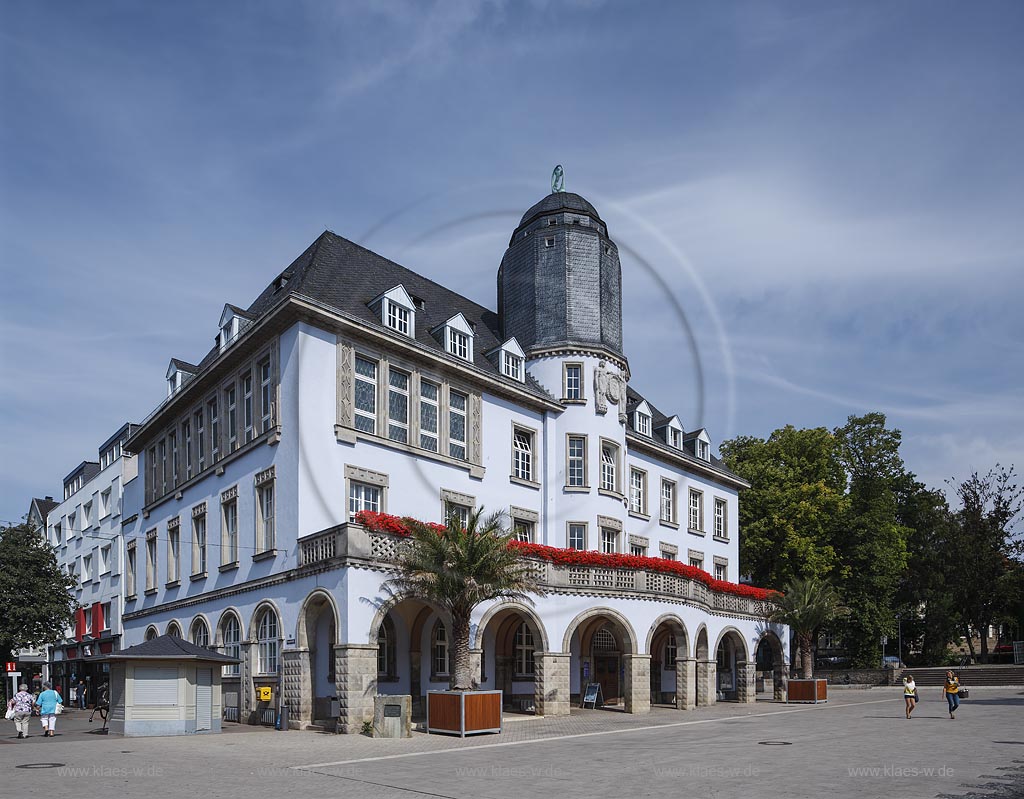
{"x":899,"y":638}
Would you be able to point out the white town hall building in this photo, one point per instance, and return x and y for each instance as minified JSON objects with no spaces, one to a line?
{"x":354,"y":384}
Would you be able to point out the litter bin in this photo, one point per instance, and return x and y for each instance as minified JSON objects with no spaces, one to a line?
{"x":282,"y":718}
{"x":392,"y":716}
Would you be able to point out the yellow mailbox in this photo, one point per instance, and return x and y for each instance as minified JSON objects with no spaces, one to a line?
{"x":264,"y":693}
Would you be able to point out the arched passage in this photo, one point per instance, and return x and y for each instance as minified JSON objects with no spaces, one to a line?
{"x":603,"y":650}
{"x":770,"y":662}
{"x":316,"y":635}
{"x":509,"y":637}
{"x":671,"y":668}
{"x":732,"y":667}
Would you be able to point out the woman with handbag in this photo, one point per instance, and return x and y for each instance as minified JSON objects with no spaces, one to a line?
{"x":909,"y":693}
{"x":50,"y":704}
{"x":19,"y":710}
{"x":952,"y":691}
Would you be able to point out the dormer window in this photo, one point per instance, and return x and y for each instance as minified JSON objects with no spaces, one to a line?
{"x":675,"y":438}
{"x":456,"y":335}
{"x":458,"y":344}
{"x":510,"y":360}
{"x":703,"y":450}
{"x":231,"y":324}
{"x":178,"y":372}
{"x":642,"y":419}
{"x":396,"y":310}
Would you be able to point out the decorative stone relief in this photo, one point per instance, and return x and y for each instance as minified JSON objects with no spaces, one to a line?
{"x":610,"y":522}
{"x":265,"y":476}
{"x":199,"y":510}
{"x":476,"y":428}
{"x":609,"y":387}
{"x":346,"y":379}
{"x":362,"y":475}
{"x":229,"y":494}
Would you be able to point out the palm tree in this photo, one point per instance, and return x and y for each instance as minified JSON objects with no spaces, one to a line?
{"x":807,"y":605}
{"x":456,"y":568}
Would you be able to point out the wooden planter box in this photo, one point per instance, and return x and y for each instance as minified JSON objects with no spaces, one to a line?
{"x":809,"y":691}
{"x":463,"y":713}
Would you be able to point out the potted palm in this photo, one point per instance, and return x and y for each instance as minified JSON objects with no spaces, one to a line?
{"x":456,"y":568}
{"x":806,"y":606}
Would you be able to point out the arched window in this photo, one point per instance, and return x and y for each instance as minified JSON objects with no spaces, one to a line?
{"x":524,"y":649}
{"x":439,"y":650}
{"x":671,"y":651}
{"x":173,"y":629}
{"x":267,"y":643}
{"x":231,"y":635}
{"x":386,"y":648}
{"x":604,"y":641}
{"x":200,"y":633}
{"x":151,"y":633}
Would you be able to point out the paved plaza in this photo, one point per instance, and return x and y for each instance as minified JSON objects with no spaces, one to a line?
{"x":857,"y":745}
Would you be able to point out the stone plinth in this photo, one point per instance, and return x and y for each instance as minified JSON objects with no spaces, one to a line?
{"x":392,"y":716}
{"x":746,"y":682}
{"x":356,"y":681}
{"x":686,"y":683}
{"x":707,"y":678}
{"x":638,"y":683}
{"x":551,"y":683}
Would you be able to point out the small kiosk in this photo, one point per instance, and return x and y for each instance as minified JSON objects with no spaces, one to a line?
{"x":166,"y":686}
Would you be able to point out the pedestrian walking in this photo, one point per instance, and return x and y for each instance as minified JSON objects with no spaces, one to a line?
{"x":83,"y":691}
{"x":21,"y":704}
{"x":50,"y":704}
{"x":951,"y":690}
{"x":909,"y":693}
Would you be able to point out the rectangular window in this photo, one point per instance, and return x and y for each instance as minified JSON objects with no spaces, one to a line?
{"x":172,"y":442}
{"x":229,"y":538}
{"x":574,"y":381}
{"x":512,"y":365}
{"x":522,"y":454}
{"x":130,"y":571}
{"x":459,"y":512}
{"x":609,"y":541}
{"x":458,"y":344}
{"x":199,"y":544}
{"x":105,"y":559}
{"x":457,"y":425}
{"x":362,"y":496}
{"x":173,"y":554}
{"x":86,"y":568}
{"x":609,"y":467}
{"x":577,"y":536}
{"x":668,"y":501}
{"x":576,"y":466}
{"x":696,"y":561}
{"x":643,"y":424}
{"x":398,"y":318}
{"x":668,"y":555}
{"x":638,"y":550}
{"x":429,"y":393}
{"x":151,"y":562}
{"x":721,"y":530}
{"x":231,"y":402}
{"x":104,"y":616}
{"x":162,"y":455}
{"x":523,"y":530}
{"x":696,"y":510}
{"x":88,"y":612}
{"x":366,"y":395}
{"x":637,"y":491}
{"x":212,"y":413}
{"x":247,"y":409}
{"x":398,"y":406}
{"x":265,"y":517}
{"x":266,"y":393}
{"x":200,"y":440}
{"x":721,"y":571}
{"x":186,"y":438}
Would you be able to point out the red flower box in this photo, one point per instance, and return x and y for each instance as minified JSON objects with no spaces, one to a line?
{"x":386,"y":523}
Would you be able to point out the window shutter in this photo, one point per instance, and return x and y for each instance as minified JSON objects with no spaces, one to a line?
{"x":156,"y":685}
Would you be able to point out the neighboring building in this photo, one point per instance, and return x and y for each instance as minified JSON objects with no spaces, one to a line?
{"x":37,"y":512}
{"x":354,"y":384}
{"x":85,"y":530}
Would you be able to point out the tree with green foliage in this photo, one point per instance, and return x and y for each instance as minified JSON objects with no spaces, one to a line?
{"x":873,"y":544}
{"x":985,"y":574}
{"x":789,"y":515}
{"x":806,"y":606}
{"x":458,"y":567}
{"x":34,"y":592}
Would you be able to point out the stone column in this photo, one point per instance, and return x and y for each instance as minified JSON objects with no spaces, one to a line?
{"x":246,"y":689}
{"x":746,"y":686}
{"x":298,"y":687}
{"x":551,"y":683}
{"x":356,"y":682}
{"x":638,"y":683}
{"x":686,"y":683}
{"x":419,"y":709}
{"x":707,"y":679}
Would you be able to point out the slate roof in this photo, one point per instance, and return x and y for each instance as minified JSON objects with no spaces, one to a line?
{"x":659,"y":430}
{"x":169,"y":647}
{"x":45,"y":505}
{"x":341,"y":274}
{"x":88,"y":468}
{"x":560,"y":201}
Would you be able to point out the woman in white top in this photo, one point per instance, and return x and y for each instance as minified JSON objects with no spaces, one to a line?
{"x":909,"y":693}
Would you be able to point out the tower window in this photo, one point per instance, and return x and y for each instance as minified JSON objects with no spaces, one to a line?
{"x":549,"y":241}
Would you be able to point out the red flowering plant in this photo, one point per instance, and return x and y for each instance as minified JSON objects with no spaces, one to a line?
{"x":386,"y":523}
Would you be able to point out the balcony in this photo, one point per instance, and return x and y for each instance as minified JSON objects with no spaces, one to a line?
{"x":353,"y":544}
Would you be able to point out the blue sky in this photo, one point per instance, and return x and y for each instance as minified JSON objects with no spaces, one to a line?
{"x":832,"y":193}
